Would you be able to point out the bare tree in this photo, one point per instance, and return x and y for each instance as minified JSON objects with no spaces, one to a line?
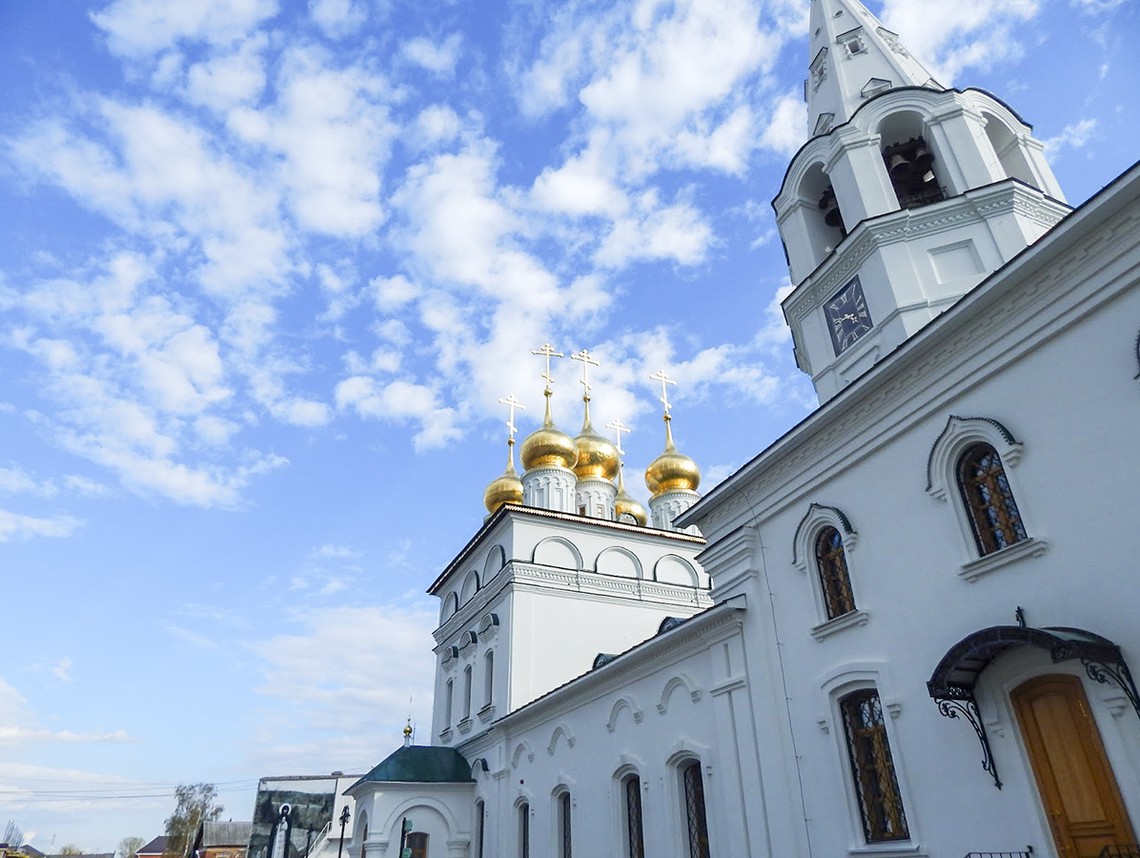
{"x":70,"y":849}
{"x":129,"y":846}
{"x":13,"y":834}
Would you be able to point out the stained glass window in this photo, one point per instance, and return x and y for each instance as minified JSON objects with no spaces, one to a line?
{"x":695,"y":810}
{"x":880,"y":803}
{"x":564,"y":825}
{"x":635,"y":839}
{"x":831,"y":561}
{"x":989,"y":500}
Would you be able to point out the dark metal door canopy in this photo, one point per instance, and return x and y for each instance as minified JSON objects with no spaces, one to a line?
{"x":952,"y":684}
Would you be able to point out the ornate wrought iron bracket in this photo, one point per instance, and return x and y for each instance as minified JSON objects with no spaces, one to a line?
{"x":1103,"y":672}
{"x":954,"y":702}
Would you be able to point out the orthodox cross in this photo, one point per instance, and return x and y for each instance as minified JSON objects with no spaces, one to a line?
{"x":587,"y":362}
{"x":512,"y":403}
{"x":619,"y":428}
{"x":665,"y":380}
{"x":548,"y":352}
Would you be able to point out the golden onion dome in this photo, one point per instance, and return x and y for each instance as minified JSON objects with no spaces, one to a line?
{"x":506,"y":488}
{"x":597,"y":457}
{"x":548,"y":446}
{"x":626,"y":507}
{"x":672,"y":470}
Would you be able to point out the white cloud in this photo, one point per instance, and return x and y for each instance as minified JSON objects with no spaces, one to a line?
{"x":62,"y":669}
{"x":225,"y":81}
{"x":190,"y":636}
{"x":17,"y":526}
{"x":438,"y":58}
{"x":332,"y":128}
{"x":669,"y":68}
{"x":785,"y":131}
{"x":18,"y":727}
{"x":436,"y":124}
{"x":580,"y":186}
{"x":21,"y":735}
{"x":348,"y":673}
{"x":1097,"y":7}
{"x":969,"y":33}
{"x":677,"y":232}
{"x":18,"y":481}
{"x":338,"y":18}
{"x":391,"y":293}
{"x":137,"y":28}
{"x":334,"y":552}
{"x":1073,"y":136}
{"x":401,"y":401}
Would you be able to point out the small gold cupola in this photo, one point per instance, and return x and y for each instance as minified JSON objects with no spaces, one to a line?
{"x":597,"y":456}
{"x":672,"y":470}
{"x":507,"y":487}
{"x":548,"y":446}
{"x":627,"y":509}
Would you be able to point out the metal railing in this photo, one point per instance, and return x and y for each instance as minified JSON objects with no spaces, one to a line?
{"x":1027,"y":853}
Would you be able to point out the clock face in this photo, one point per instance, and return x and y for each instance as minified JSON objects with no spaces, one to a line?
{"x":847,"y":316}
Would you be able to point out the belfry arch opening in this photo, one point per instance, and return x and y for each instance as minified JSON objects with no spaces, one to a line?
{"x":1011,"y":159}
{"x":911,"y":160}
{"x":823,"y":219}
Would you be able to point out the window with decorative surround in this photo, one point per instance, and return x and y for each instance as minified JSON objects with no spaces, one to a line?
{"x":480,"y":828}
{"x":695,"y":818}
{"x":824,"y":538}
{"x":565,"y":837}
{"x":524,"y":830}
{"x":989,"y":500}
{"x":970,"y":467}
{"x":835,"y":583}
{"x":634,"y":834}
{"x":872,"y":767}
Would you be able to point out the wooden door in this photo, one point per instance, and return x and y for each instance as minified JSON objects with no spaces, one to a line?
{"x":1074,"y":778}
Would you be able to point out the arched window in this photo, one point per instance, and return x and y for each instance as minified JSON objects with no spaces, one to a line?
{"x":872,"y":767}
{"x":696,"y":821}
{"x":449,"y":702}
{"x":565,"y":838}
{"x":488,"y":676}
{"x":480,"y":812}
{"x":524,"y":830}
{"x":417,"y":842}
{"x":467,"y":691}
{"x":835,"y":583}
{"x":634,"y":835}
{"x":989,"y":500}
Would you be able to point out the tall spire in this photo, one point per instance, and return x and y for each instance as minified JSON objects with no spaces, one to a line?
{"x":853,"y":57}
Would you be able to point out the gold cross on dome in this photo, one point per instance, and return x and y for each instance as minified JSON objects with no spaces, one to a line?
{"x":665,"y":380}
{"x":512,"y":403}
{"x":619,"y":428}
{"x":548,"y":352}
{"x":587,"y":362}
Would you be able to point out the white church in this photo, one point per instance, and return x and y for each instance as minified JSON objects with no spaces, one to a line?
{"x":903,"y":629}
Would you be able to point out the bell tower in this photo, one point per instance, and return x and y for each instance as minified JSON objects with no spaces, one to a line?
{"x":905,"y":197}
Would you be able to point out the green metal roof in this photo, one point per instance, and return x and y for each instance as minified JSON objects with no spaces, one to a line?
{"x":421,"y":764}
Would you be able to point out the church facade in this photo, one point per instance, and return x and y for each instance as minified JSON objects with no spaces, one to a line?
{"x":904,"y":628}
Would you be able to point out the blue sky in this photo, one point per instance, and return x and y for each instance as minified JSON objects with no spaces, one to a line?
{"x":268,"y":267}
